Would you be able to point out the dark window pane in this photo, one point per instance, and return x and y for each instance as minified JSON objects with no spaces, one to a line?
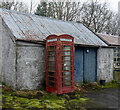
{"x":51,"y":53}
{"x":51,"y":74}
{"x":118,"y":64}
{"x":67,"y":84}
{"x":51,"y":79}
{"x":51,"y":58}
{"x":118,"y":59}
{"x":118,"y":55}
{"x":51,"y":84}
{"x":51,"y":63}
{"x":51,"y":47}
{"x":51,"y":68}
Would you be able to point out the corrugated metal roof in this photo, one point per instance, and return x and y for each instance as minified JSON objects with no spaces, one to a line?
{"x":32,"y":27}
{"x":110,"y":39}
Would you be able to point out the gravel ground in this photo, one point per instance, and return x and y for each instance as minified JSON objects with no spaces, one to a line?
{"x":107,"y":98}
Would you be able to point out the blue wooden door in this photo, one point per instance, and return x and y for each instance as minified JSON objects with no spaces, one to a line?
{"x":85,"y":65}
{"x":78,"y":65}
{"x":90,"y":65}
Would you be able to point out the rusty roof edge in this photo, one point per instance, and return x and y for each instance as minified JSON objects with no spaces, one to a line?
{"x":81,"y":45}
{"x":108,"y":47}
{"x":107,"y":41}
{"x":32,"y":41}
{"x":96,"y":46}
{"x":103,"y":39}
{"x":109,"y":35}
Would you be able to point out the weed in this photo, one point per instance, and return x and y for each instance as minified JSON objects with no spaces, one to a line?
{"x":3,"y":83}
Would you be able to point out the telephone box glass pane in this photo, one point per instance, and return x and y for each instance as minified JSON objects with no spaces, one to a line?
{"x":67,"y":58}
{"x":67,"y":73}
{"x":51,"y":52}
{"x":51,"y":74}
{"x":51,"y":58}
{"x":67,"y":84}
{"x":51,"y":63}
{"x":51,"y":48}
{"x":67,"y":79}
{"x":66,"y":47}
{"x":66,"y":53}
{"x":51,"y":79}
{"x":52,"y":84}
{"x":51,"y":68}
{"x":66,"y":63}
{"x":67,"y":68}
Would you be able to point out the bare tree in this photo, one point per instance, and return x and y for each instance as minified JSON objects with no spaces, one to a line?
{"x":112,"y":27}
{"x":68,"y":11}
{"x":20,"y":6}
{"x":12,"y":5}
{"x":6,"y":4}
{"x":95,"y":15}
{"x":33,"y":4}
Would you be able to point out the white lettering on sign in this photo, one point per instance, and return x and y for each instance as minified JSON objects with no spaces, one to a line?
{"x":62,"y":39}
{"x":51,"y":40}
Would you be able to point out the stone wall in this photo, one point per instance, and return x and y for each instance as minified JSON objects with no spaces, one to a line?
{"x":8,"y":57}
{"x":0,"y":50}
{"x":105,"y":64}
{"x":30,"y":65}
{"x":22,"y":63}
{"x":119,"y":22}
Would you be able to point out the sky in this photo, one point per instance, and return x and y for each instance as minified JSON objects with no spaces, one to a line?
{"x":113,"y":4}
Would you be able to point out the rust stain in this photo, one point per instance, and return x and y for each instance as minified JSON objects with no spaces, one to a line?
{"x":29,"y":29}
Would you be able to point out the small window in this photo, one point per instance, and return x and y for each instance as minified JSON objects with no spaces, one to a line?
{"x":116,"y":58}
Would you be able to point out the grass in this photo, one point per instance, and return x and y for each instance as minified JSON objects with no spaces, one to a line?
{"x":40,"y":99}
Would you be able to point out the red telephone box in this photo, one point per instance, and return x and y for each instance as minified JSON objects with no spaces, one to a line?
{"x":60,"y":64}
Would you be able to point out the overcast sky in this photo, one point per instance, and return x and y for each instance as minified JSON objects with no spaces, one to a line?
{"x":113,"y":3}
